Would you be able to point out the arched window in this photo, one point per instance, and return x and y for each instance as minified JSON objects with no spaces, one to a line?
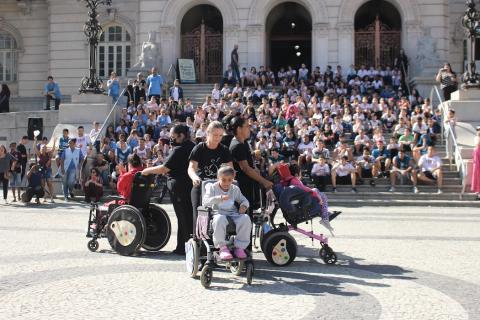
{"x":114,"y":52}
{"x":8,"y":58}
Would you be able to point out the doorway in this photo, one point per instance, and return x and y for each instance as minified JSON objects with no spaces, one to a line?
{"x":378,"y":34}
{"x":202,"y":41}
{"x":289,"y":36}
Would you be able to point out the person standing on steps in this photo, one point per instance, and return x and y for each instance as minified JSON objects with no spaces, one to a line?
{"x":4,"y":98}
{"x":179,"y":183}
{"x":234,"y":64}
{"x":154,"y":85}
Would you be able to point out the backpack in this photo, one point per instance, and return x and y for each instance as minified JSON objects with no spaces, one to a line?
{"x":298,"y":205}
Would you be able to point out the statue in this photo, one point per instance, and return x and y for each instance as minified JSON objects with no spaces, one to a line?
{"x":150,"y":56}
{"x":427,"y":55}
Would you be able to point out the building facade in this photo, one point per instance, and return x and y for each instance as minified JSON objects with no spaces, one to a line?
{"x":45,"y":37}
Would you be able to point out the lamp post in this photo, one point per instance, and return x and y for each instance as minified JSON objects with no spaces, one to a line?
{"x":92,"y":29}
{"x":471,"y":24}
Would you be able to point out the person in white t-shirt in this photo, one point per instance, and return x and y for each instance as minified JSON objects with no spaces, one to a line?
{"x":95,"y":135}
{"x":430,"y":168}
{"x":344,"y":173}
{"x":83,"y":141}
{"x":216,"y":93}
{"x":321,"y":174}
{"x":305,"y":150}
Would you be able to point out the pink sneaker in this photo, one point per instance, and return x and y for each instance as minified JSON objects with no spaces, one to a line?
{"x":225,"y":254}
{"x":240,"y":253}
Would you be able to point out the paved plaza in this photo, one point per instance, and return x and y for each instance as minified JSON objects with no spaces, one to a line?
{"x":398,"y":263}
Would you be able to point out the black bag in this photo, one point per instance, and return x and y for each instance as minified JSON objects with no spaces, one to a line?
{"x":298,"y":205}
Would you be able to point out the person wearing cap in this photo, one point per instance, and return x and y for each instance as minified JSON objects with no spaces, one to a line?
{"x":179,"y":183}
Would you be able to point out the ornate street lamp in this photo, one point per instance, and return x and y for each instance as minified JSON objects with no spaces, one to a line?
{"x":92,"y":29}
{"x":471,"y":25}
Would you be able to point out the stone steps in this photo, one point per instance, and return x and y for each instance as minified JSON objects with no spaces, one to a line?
{"x":22,"y":104}
{"x":405,"y":203}
{"x":197,"y":92}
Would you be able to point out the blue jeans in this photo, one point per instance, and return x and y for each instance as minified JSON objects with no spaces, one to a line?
{"x":68,"y":182}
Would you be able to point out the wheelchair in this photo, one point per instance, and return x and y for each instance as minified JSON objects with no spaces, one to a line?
{"x":276,"y":242}
{"x":201,"y":254}
{"x":130,"y":226}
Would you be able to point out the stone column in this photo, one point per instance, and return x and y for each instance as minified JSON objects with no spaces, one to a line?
{"x":320,"y":45}
{"x":230,"y":38}
{"x":346,"y":44}
{"x":169,"y":47}
{"x":410,"y":37}
{"x":256,"y":45}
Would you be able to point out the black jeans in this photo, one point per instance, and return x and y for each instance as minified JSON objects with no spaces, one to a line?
{"x":196,"y":196}
{"x":48,"y":99}
{"x":236,"y":73}
{"x":182,"y":204}
{"x":321,"y":182}
{"x":447,"y":92}
{"x":4,"y":185}
{"x":93,"y":192}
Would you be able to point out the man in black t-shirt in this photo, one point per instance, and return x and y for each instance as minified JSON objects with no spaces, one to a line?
{"x":248,"y":178}
{"x":178,"y":183}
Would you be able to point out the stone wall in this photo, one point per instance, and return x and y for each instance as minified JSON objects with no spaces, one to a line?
{"x":14,"y":125}
{"x":52,"y":38}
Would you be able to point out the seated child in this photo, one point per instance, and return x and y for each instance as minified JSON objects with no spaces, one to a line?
{"x":223,"y":195}
{"x":287,"y":179}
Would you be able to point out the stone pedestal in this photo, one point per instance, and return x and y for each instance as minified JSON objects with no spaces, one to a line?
{"x":466,"y":104}
{"x":472,"y":94}
{"x":85,"y":108}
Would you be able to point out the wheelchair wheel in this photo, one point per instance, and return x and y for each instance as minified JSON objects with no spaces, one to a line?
{"x":236,"y":267}
{"x":206,"y":276}
{"x":264,"y":237}
{"x":92,"y":245}
{"x":192,"y":256}
{"x":250,"y":270}
{"x":280,"y":249}
{"x":126,"y":230}
{"x":327,"y":255}
{"x":158,"y":228}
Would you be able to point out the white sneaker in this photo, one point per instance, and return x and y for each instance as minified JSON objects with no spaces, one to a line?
{"x":65,"y":199}
{"x":5,"y":201}
{"x":439,"y":191}
{"x":415,"y":190}
{"x":392,"y":189}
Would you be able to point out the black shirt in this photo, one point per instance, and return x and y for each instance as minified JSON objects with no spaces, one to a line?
{"x":23,"y":151}
{"x":209,"y":161}
{"x":177,"y":161}
{"x":234,"y":57}
{"x":241,"y":152}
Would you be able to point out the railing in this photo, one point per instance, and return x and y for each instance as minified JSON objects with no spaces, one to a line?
{"x":105,"y":122}
{"x":170,"y":78}
{"x":449,"y":136}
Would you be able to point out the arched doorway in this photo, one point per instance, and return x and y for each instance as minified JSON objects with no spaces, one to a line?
{"x":202,"y":41}
{"x":378,"y":36}
{"x":289,"y":36}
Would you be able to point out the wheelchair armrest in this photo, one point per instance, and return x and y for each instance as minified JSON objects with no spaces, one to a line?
{"x":114,"y":198}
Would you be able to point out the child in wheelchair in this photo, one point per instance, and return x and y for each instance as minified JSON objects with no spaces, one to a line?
{"x":223,"y":196}
{"x":288,"y":177}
